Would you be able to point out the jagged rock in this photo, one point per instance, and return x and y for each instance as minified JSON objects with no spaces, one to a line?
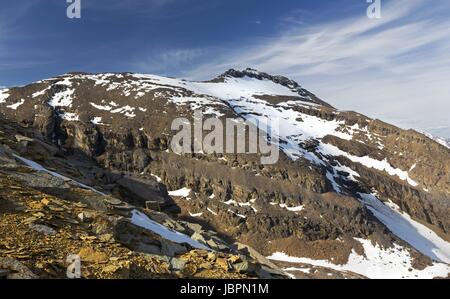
{"x":90,"y":255}
{"x":13,"y":269}
{"x":247,"y":250}
{"x":212,"y":257}
{"x":153,"y":205}
{"x":139,"y":239}
{"x":199,"y":237}
{"x":102,"y":255}
{"x":169,"y":248}
{"x":196,"y":228}
{"x":46,"y":230}
{"x":141,"y":159}
{"x":177,"y":264}
{"x":166,"y":221}
{"x":141,"y":192}
{"x":223,"y":263}
{"x":35,"y":149}
{"x":4,"y":273}
{"x":244,"y":267}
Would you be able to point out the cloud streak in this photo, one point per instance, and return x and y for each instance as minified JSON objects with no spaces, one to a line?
{"x":168,"y":60}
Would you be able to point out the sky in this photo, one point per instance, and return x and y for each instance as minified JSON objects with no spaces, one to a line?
{"x":396,"y":68}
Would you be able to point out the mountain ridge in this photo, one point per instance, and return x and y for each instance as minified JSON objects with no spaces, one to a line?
{"x":388,"y":185}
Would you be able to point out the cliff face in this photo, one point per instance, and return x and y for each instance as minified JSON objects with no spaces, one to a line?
{"x":345,"y":186}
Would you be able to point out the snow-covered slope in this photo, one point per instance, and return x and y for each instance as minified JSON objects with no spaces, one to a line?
{"x":377,"y":263}
{"x":409,"y":230}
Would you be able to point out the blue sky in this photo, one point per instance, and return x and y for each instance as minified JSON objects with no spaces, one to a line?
{"x":396,"y":68}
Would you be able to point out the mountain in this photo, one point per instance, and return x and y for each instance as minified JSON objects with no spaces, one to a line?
{"x":348,"y":197}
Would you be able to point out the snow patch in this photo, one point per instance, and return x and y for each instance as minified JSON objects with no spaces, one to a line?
{"x":125,"y":110}
{"x":70,"y":116}
{"x":196,"y":103}
{"x":62,"y":99}
{"x":328,"y":149}
{"x":101,"y":107}
{"x":196,"y":215}
{"x":212,"y":212}
{"x":292,"y":209}
{"x":294,"y":269}
{"x":66,"y":82}
{"x":142,"y":220}
{"x":158,"y":179}
{"x":183,"y":192}
{"x":97,"y":120}
{"x":240,"y":204}
{"x":237,"y":214}
{"x":3,"y":95}
{"x":16,"y":105}
{"x":40,"y":93}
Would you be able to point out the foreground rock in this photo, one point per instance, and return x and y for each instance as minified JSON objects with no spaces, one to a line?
{"x":45,"y":218}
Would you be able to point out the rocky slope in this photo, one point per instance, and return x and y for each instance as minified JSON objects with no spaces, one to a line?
{"x":349,"y":195}
{"x":46,"y":217}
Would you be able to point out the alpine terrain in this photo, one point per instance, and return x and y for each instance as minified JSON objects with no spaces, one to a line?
{"x":86,"y":169}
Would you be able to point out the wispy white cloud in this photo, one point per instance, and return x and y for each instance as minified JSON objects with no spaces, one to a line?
{"x":393,"y":68}
{"x":168,"y":60}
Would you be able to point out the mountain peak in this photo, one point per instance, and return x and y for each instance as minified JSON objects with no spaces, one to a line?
{"x":277,"y":79}
{"x":253,"y":73}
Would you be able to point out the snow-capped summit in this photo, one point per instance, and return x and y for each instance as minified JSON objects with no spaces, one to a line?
{"x":281,"y":80}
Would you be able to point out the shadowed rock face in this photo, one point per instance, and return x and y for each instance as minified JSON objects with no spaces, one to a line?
{"x":46,"y":217}
{"x":113,"y":131}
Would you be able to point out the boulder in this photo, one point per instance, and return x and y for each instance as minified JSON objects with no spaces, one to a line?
{"x":13,"y":269}
{"x":140,"y":192}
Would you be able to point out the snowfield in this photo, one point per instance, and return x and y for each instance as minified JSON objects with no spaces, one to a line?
{"x":62,"y":99}
{"x":184,"y":192}
{"x":417,"y":235}
{"x":16,"y":105}
{"x":378,"y":263}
